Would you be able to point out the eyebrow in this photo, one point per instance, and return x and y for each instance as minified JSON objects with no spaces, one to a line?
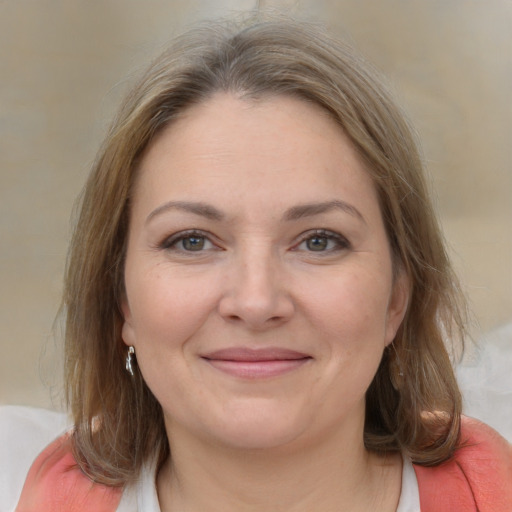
{"x":201,"y":209}
{"x":312,"y":209}
{"x":295,"y":213}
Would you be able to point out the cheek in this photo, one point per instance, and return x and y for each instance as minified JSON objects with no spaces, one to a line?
{"x":349,"y":319}
{"x":167,"y":310}
{"x":166,"y":316}
{"x":354,"y":307}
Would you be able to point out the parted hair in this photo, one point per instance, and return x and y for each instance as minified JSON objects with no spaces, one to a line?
{"x":413,"y":404}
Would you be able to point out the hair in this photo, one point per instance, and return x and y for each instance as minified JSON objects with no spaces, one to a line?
{"x":413,"y":404}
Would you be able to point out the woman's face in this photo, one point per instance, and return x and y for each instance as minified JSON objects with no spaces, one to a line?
{"x":259,"y":289}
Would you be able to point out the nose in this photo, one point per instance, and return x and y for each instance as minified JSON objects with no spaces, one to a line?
{"x":256,"y":292}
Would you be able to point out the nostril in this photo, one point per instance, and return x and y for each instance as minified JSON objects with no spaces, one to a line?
{"x":258,"y":307}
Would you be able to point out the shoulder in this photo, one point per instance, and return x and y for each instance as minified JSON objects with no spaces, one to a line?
{"x":55,"y":483}
{"x":480,"y":441}
{"x":478,"y":477}
{"x":37,"y":468}
{"x":24,"y":432}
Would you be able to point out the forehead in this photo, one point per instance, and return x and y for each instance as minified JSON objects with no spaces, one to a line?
{"x":273,"y":148}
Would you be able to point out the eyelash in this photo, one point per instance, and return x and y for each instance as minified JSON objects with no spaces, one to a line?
{"x":341,"y":243}
{"x":170,"y":243}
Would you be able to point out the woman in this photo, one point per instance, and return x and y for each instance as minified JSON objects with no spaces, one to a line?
{"x":257,"y":298}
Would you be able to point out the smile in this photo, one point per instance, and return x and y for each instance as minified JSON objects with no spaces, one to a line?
{"x":256,"y":363}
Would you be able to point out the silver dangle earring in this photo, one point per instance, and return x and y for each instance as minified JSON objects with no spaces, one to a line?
{"x":129,"y":360}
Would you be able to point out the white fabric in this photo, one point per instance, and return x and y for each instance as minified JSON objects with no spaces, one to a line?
{"x":410,"y":496}
{"x":141,"y":497}
{"x":24,"y":433}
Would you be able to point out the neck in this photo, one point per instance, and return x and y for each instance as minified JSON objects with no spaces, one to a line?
{"x":335,"y":475}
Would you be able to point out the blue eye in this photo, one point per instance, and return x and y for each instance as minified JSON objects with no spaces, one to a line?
{"x":323,"y":241}
{"x":317,"y":243}
{"x":189,"y":241}
{"x":193,"y":243}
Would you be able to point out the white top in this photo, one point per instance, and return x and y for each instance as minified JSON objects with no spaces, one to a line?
{"x":26,"y":431}
{"x":410,"y":496}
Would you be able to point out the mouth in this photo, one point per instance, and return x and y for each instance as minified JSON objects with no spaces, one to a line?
{"x":258,"y":363}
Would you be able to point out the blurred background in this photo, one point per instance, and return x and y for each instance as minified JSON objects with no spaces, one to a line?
{"x":65,"y":64}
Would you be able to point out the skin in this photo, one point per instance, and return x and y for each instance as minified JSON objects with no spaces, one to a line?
{"x":222,"y":254}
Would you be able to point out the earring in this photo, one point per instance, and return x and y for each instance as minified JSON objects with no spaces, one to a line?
{"x":129,"y":360}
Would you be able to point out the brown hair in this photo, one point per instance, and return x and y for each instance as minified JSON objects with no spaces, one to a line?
{"x":413,"y":403}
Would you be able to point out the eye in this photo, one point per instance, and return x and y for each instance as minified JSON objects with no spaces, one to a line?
{"x":188,"y":241}
{"x":193,"y":243}
{"x":322,"y":241}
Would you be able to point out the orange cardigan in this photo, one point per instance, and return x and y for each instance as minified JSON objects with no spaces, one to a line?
{"x":477,"y":479}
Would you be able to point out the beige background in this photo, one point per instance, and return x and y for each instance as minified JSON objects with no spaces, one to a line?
{"x":63,"y":67}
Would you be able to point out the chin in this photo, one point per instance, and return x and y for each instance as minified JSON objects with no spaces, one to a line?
{"x":256,"y":438}
{"x":258,"y":429}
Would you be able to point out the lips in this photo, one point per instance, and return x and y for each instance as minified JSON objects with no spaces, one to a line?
{"x":256,"y":363}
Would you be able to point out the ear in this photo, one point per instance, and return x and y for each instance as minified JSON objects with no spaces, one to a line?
{"x":397,"y":306}
{"x":127,"y":331}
